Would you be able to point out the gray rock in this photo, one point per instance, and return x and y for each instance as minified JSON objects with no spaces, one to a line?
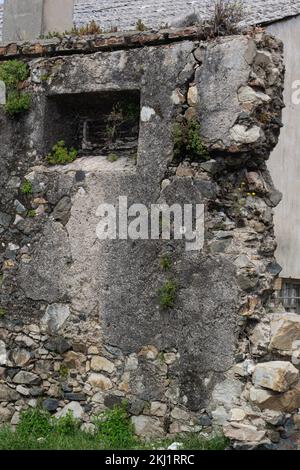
{"x":27,"y":378}
{"x":274,"y":268}
{"x":74,"y":407}
{"x":136,"y":406}
{"x":36,"y":391}
{"x":110,"y":401}
{"x":20,"y":209}
{"x":146,"y":426}
{"x":5,"y":219}
{"x":75,"y":396}
{"x":3,"y":353}
{"x":62,"y":210}
{"x":227,"y":392}
{"x":58,"y":344}
{"x":7,"y":393}
{"x":20,"y":357}
{"x":5,"y":415}
{"x":50,"y":404}
{"x":275,"y":375}
{"x":274,"y":198}
{"x":247,"y":282}
{"x":204,"y":421}
{"x":23,"y":391}
{"x":241,"y":135}
{"x":243,"y":432}
{"x":211,"y":166}
{"x":55,"y":317}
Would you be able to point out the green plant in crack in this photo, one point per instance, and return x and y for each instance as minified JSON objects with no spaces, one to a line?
{"x":167,"y":294}
{"x":188,"y":143}
{"x":112,"y":157}
{"x":3,"y":312}
{"x":63,"y":372}
{"x":26,"y":187}
{"x":140,"y":26}
{"x":17,"y":103}
{"x":31,"y":213}
{"x":13,"y":73}
{"x":61,"y":155}
{"x":165,"y":263}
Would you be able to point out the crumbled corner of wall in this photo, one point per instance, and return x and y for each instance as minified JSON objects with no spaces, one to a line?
{"x":50,"y":351}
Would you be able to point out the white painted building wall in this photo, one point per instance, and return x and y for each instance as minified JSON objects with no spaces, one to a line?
{"x":284,"y":162}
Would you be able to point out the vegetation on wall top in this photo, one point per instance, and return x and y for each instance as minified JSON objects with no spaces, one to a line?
{"x":13,"y":73}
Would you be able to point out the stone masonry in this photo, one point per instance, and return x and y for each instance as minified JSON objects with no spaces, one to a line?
{"x":82,"y":327}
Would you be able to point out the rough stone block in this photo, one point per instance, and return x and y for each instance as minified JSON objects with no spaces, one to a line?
{"x":276,"y":375}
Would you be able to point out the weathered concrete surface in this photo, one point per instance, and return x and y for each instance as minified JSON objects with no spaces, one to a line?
{"x":284,"y":162}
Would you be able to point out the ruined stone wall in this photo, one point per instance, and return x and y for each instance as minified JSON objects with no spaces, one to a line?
{"x":82,"y":326}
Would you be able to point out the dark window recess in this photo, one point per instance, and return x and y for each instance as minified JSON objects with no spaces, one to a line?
{"x":94,"y":123}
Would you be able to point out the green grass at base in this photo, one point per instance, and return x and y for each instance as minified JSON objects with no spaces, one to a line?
{"x":38,"y":430}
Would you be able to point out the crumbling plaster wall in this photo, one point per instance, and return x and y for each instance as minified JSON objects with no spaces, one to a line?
{"x":91,"y":307}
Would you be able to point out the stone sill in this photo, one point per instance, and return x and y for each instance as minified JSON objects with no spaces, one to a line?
{"x":103,"y":42}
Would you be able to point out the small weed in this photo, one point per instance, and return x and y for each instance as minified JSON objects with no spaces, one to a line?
{"x":115,"y":430}
{"x":226,"y":17}
{"x":110,"y":132}
{"x":112,"y":157}
{"x":26,"y":187}
{"x":140,"y":26}
{"x":61,"y":155}
{"x":85,"y":30}
{"x":31,"y":213}
{"x":188,"y":143}
{"x":167,"y":295}
{"x":3,"y":312}
{"x":66,"y":425}
{"x":17,"y":102}
{"x":1,"y":280}
{"x":13,"y":73}
{"x":165,"y":263}
{"x":264,"y":118}
{"x":63,"y":371}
